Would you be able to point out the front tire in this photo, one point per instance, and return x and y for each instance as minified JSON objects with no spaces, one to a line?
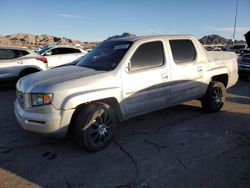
{"x":214,"y":98}
{"x":95,"y":126}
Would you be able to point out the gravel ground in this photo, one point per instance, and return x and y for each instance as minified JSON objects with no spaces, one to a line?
{"x":177,"y":147}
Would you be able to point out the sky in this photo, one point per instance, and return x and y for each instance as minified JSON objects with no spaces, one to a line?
{"x":96,"y":20}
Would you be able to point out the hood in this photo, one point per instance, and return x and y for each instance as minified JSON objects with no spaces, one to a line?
{"x":41,"y":80}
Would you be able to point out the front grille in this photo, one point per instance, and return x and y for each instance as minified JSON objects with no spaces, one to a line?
{"x":20,"y":97}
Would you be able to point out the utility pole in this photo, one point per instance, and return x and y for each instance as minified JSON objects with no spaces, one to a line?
{"x":235,"y":20}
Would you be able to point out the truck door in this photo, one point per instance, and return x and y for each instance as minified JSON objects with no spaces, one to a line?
{"x":186,"y":71}
{"x":145,"y":82}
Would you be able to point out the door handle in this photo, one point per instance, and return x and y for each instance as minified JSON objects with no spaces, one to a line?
{"x":199,"y":69}
{"x":164,"y":75}
{"x":19,"y":62}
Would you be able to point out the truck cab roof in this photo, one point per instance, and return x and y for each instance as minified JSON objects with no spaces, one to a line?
{"x":132,"y":39}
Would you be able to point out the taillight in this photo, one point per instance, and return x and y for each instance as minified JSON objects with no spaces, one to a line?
{"x":44,"y":60}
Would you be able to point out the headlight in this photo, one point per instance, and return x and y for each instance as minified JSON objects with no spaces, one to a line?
{"x":38,"y":99}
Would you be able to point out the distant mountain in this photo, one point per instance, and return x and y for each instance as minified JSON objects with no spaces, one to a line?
{"x":30,"y":40}
{"x":121,"y":36}
{"x":216,"y":39}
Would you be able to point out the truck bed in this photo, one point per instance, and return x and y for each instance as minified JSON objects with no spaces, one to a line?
{"x":220,"y":56}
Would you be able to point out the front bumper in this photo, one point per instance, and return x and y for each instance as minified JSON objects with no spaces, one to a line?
{"x":46,"y":120}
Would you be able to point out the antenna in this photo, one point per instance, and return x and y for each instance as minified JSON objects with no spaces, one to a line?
{"x":235,"y":20}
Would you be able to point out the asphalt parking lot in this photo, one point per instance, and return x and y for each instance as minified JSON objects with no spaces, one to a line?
{"x":177,"y":147}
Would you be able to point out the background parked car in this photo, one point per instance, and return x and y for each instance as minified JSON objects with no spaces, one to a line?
{"x":16,"y":62}
{"x":72,"y":63}
{"x":58,"y":55}
{"x":244,"y":66}
{"x":244,"y":51}
{"x":237,"y":48}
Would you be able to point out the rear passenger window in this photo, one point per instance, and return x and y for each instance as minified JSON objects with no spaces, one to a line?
{"x":7,"y":54}
{"x":66,"y":51}
{"x":23,"y":53}
{"x":148,"y":55}
{"x":75,"y":51}
{"x":182,"y":50}
{"x":53,"y":52}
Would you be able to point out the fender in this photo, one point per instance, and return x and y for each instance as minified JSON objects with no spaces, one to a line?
{"x":215,"y":72}
{"x":74,"y":100}
{"x":30,"y":67}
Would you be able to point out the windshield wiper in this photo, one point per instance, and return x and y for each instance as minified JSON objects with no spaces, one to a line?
{"x":96,"y":68}
{"x":89,"y":67}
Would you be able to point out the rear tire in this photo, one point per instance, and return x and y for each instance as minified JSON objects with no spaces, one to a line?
{"x":214,"y":98}
{"x":95,"y":126}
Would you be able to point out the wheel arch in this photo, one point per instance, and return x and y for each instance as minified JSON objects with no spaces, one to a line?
{"x":28,"y":70}
{"x":223,"y":78}
{"x":112,"y":101}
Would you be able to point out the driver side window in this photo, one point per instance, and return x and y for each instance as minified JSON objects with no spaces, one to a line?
{"x":148,"y":55}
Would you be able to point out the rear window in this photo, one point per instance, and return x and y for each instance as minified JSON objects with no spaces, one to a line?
{"x":76,"y":51}
{"x":68,"y":50}
{"x":7,"y":54}
{"x":183,"y":50}
{"x":57,"y":51}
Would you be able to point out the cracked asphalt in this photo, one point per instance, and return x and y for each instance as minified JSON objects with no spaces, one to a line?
{"x":177,"y":147}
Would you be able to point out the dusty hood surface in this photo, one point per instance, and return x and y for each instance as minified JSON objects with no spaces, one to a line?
{"x":54,"y":76}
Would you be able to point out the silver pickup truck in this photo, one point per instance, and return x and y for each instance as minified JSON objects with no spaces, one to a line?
{"x":120,"y":79}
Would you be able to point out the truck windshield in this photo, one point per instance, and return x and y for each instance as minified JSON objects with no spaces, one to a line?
{"x":106,"y":56}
